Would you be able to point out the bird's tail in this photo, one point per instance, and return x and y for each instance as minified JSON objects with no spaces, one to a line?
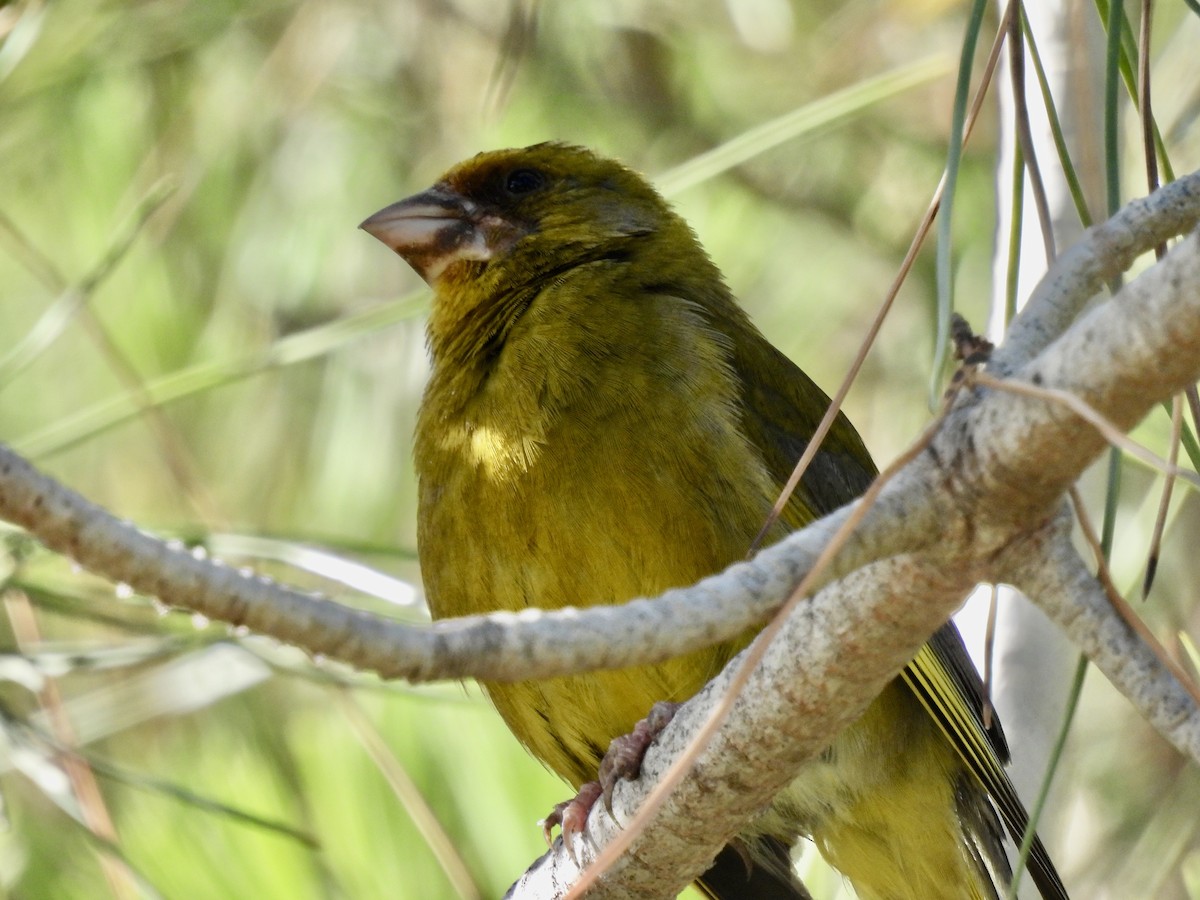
{"x":766,"y":874}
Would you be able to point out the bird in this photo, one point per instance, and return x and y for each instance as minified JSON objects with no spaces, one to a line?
{"x":603,"y":422}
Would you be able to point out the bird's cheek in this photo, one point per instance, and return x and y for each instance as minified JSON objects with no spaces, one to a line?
{"x":454,"y":243}
{"x":485,"y":239}
{"x":500,"y":234}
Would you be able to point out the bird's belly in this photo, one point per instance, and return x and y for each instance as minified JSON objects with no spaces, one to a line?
{"x":606,"y":542}
{"x":568,"y":722}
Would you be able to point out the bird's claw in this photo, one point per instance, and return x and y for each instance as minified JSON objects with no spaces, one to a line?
{"x":571,"y":816}
{"x":625,"y":753}
{"x":623,"y":760}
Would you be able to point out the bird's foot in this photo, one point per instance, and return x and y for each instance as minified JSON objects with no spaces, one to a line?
{"x":623,"y":760}
{"x":571,"y":815}
{"x":625,"y":753}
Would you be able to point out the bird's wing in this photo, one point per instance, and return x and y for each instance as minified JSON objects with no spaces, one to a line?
{"x":780,"y":409}
{"x":945,"y":681}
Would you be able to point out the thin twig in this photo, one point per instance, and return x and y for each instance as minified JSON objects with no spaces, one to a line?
{"x":868,"y":341}
{"x":453,"y":866}
{"x":93,"y":810}
{"x":1016,"y":59}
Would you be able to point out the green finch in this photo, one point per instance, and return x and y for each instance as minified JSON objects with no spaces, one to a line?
{"x":603,"y":422}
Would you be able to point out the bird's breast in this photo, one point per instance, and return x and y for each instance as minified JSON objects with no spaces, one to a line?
{"x":582,"y":510}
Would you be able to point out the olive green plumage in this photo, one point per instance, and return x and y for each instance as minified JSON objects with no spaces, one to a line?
{"x":603,"y":422}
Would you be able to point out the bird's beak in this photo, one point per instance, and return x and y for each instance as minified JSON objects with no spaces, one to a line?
{"x":431,"y":230}
{"x":439,"y":227}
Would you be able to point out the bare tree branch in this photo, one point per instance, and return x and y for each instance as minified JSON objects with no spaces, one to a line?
{"x":833,"y":657}
{"x":498,"y":646}
{"x":1105,"y":251}
{"x":1053,"y":572}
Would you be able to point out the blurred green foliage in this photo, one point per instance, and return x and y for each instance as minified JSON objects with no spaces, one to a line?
{"x":252,"y":137}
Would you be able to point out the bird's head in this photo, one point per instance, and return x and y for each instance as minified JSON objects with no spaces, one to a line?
{"x":509,"y":217}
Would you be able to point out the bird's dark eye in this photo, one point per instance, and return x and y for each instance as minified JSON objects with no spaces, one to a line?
{"x":523,"y":181}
